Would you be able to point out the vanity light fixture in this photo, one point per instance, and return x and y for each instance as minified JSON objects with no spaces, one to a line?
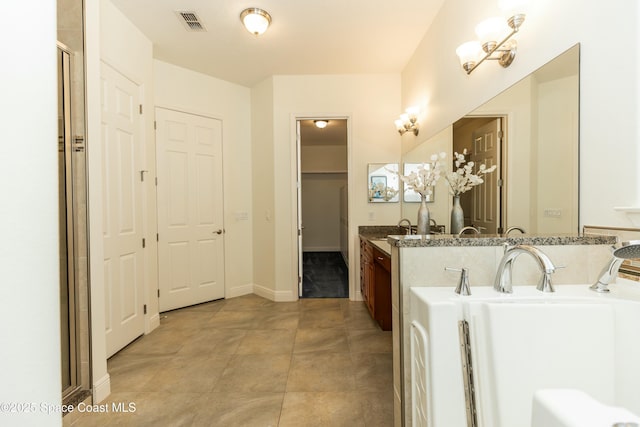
{"x":489,"y":31}
{"x":321,"y":124}
{"x":408,"y":122}
{"x":255,"y":20}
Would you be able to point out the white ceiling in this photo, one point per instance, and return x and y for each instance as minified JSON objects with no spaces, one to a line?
{"x":305,"y":36}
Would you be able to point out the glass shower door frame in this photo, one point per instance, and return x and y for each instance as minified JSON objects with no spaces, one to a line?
{"x":68,"y":291}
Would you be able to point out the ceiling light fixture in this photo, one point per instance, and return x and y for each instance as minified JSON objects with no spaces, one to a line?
{"x":489,"y":31}
{"x":321,"y":124}
{"x":408,"y":121}
{"x":255,"y":20}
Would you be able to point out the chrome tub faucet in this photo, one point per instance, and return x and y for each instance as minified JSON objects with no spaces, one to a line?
{"x":503,"y":281}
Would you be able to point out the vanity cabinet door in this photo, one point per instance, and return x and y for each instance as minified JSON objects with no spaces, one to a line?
{"x":367,"y":275}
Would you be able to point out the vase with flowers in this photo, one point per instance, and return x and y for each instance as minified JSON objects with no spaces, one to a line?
{"x":422,"y":181}
{"x":460,"y":181}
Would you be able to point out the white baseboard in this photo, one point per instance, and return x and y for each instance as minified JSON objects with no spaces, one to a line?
{"x":321,"y":249}
{"x":277,"y":296}
{"x":238,"y":291}
{"x":101,"y":388}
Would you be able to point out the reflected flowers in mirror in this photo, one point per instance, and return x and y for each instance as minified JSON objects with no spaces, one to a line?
{"x":464,"y":178}
{"x":426,"y":176}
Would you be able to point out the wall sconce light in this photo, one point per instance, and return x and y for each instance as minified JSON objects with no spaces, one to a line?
{"x":255,"y":20}
{"x":489,"y":31}
{"x":408,"y":122}
{"x":321,"y":124}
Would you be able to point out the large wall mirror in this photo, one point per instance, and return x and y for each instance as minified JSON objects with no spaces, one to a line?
{"x":534,"y":128}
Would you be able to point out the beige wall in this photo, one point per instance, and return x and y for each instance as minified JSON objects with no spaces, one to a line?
{"x":557,"y":164}
{"x":321,"y":211}
{"x":262,"y":168}
{"x":609,"y":111}
{"x":29,"y":294}
{"x":373,"y":140}
{"x":321,"y":201}
{"x":323,"y":158}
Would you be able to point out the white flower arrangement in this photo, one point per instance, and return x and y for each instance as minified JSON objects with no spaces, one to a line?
{"x":463,"y":178}
{"x":425,"y":178}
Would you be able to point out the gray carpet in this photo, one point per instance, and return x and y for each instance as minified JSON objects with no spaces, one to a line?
{"x":324,"y":275}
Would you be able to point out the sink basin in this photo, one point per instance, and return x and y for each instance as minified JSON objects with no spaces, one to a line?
{"x":520,"y":343}
{"x":575,"y":408}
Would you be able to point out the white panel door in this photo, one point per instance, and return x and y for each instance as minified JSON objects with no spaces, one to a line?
{"x":190,"y":214}
{"x":487,"y":197}
{"x":122,"y":209}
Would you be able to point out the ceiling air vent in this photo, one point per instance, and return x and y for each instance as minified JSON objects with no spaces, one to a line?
{"x":190,"y":20}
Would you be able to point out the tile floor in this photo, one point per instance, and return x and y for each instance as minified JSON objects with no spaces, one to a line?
{"x":325,"y":275}
{"x":248,"y":361}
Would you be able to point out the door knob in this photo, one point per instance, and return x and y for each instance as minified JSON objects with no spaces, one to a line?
{"x":219,"y":231}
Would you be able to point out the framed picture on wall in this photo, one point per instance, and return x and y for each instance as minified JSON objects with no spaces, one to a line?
{"x":378,"y":185}
{"x":383,"y":183}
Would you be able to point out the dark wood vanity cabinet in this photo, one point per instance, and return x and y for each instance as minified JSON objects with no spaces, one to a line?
{"x":367,"y":275}
{"x":375,"y":283}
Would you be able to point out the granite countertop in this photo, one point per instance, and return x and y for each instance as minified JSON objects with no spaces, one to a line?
{"x":431,"y":240}
{"x":383,"y":245}
{"x":378,"y":235}
{"x":395,"y":236}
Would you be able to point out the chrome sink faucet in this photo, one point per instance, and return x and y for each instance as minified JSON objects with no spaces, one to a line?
{"x":468,"y":228}
{"x":513,"y":228}
{"x":408,"y":222}
{"x":503,"y":282}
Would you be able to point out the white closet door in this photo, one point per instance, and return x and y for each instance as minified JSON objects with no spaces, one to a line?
{"x":122,"y":209}
{"x":190,"y":212}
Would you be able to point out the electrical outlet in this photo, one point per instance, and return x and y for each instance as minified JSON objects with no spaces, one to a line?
{"x":242,"y":216}
{"x":553,"y":213}
{"x":372,"y":216}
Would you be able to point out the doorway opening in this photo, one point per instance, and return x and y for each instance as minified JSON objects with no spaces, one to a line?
{"x":484,"y":140}
{"x":323,"y":244}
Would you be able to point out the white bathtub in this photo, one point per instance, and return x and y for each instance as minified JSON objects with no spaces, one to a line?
{"x":519,"y":343}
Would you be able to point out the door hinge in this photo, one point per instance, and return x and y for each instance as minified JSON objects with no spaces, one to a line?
{"x":140,"y":108}
{"x":144,"y":243}
{"x":299,"y":232}
{"x":500,"y":134}
{"x":467,"y":373}
{"x":158,"y":293}
{"x":155,"y":125}
{"x":157,"y":237}
{"x":499,"y":182}
{"x":144,"y":308}
{"x":156,"y":181}
{"x":299,"y":280}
